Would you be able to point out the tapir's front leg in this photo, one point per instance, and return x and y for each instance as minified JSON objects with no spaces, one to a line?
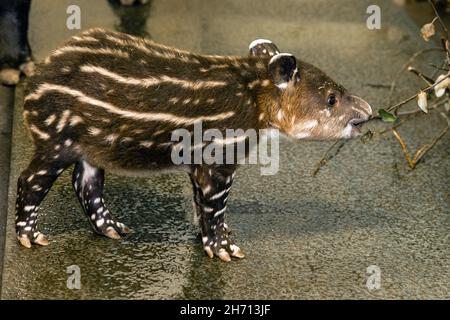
{"x":211,"y":188}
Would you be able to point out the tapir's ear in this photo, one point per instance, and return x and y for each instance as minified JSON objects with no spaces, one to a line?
{"x":283,"y":69}
{"x":263,"y":48}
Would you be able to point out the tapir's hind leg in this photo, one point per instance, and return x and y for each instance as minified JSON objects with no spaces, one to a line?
{"x":33,"y":184}
{"x":88,"y":185}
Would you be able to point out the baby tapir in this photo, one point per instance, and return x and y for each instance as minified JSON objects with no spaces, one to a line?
{"x":109,"y":101}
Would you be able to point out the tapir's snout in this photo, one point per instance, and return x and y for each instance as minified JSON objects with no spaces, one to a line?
{"x":362,"y":107}
{"x":360,"y":112}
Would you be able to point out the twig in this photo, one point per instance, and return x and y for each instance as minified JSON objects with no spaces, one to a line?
{"x":338,"y":145}
{"x":328,"y":155}
{"x":433,"y":106}
{"x":400,"y":123}
{"x":405,"y":66}
{"x":445,"y":42}
{"x":404,"y":149}
{"x":439,"y":18}
{"x":428,"y":80}
{"x":412,"y":163}
{"x":378,"y":85}
{"x":427,"y":89}
{"x":408,"y":114}
{"x":438,"y":68}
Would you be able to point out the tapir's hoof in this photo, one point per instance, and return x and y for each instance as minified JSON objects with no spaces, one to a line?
{"x":28,"y":68}
{"x":113,"y":230}
{"x":9,"y":76}
{"x":224,"y":254}
{"x":220,"y":245}
{"x":111,"y":233}
{"x":39,"y":239}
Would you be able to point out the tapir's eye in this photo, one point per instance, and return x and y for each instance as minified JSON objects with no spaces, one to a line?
{"x":331,"y":100}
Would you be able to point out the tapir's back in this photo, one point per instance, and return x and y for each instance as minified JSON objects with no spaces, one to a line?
{"x":140,"y":74}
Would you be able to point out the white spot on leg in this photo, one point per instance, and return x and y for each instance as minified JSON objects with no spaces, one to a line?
{"x":218,"y":213}
{"x":88,"y":173}
{"x":29,"y":208}
{"x":218,"y":195}
{"x":99,"y":222}
{"x":68,"y":142}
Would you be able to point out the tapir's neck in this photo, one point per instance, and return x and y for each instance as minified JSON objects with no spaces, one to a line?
{"x":261,"y":89}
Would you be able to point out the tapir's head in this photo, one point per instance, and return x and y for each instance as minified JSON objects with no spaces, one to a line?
{"x":304,"y":102}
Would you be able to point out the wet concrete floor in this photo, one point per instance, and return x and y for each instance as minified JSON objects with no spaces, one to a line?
{"x":305,"y":237}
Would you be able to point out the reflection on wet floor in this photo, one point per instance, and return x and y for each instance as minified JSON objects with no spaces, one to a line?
{"x":304,"y":237}
{"x":133,"y":19}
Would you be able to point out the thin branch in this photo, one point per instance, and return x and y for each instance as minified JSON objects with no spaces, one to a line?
{"x":409,"y":116}
{"x":405,"y":66}
{"x":438,"y":68}
{"x":378,"y":85}
{"x":422,"y":151}
{"x":412,"y":163}
{"x":439,"y":18}
{"x":404,"y":148}
{"x":329,"y":155}
{"x":334,"y":149}
{"x":415,"y":111}
{"x":400,"y":123}
{"x":425,"y":78}
{"x":427,"y":89}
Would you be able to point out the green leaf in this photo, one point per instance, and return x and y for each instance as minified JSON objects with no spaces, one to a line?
{"x":387,"y":116}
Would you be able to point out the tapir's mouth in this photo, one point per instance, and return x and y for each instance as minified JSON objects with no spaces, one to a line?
{"x":356,"y":121}
{"x":355,"y":129}
{"x":354,"y":126}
